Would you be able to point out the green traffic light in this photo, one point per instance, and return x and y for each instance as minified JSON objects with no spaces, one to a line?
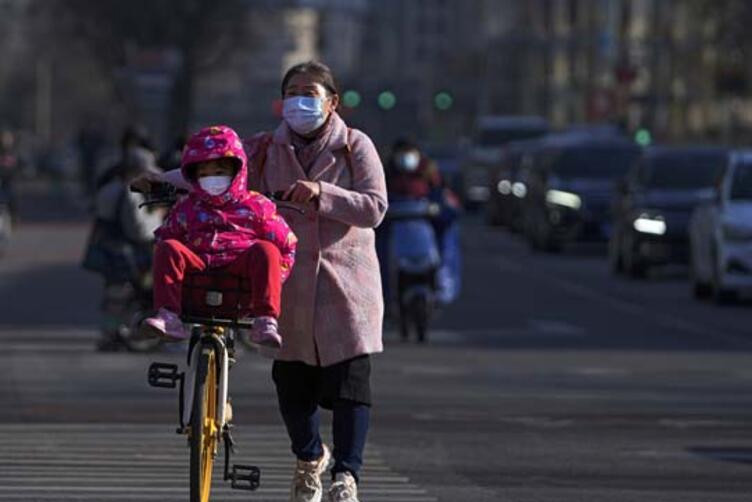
{"x":387,"y":100}
{"x":351,"y":99}
{"x":443,"y":101}
{"x":643,"y":137}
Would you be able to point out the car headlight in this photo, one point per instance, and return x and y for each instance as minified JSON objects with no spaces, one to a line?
{"x":566,"y":199}
{"x":736,"y":232}
{"x":504,"y":187}
{"x":519,"y":190}
{"x":647,"y":223}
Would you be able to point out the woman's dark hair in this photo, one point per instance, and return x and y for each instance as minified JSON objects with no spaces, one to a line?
{"x":405,"y":143}
{"x":321,"y":73}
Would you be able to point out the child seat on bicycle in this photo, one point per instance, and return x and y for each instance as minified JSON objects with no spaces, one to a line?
{"x":219,"y":227}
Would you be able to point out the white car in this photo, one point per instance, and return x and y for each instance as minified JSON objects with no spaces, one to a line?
{"x":721,"y":235}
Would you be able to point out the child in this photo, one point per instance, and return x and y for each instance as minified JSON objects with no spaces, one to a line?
{"x":220,"y":224}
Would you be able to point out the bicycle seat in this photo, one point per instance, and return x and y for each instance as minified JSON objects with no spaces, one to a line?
{"x":215,"y":297}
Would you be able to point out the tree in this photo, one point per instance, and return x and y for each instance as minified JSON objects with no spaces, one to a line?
{"x":203,"y":34}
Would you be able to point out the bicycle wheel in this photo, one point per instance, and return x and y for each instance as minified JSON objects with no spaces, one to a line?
{"x":204,"y":426}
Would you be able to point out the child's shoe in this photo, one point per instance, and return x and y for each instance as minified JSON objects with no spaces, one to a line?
{"x":165,"y":324}
{"x":264,"y":332}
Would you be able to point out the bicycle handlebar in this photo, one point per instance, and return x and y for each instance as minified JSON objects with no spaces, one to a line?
{"x":163,"y":193}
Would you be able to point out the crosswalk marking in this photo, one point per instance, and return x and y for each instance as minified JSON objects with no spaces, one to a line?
{"x":148,"y":462}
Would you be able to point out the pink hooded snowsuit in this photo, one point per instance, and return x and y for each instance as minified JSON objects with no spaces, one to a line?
{"x":219,"y":229}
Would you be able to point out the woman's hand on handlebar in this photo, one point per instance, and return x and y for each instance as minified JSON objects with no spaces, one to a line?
{"x":302,"y":191}
{"x":144,"y":182}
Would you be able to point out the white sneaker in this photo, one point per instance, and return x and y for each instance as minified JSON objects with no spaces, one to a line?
{"x":306,"y":483}
{"x":344,"y":488}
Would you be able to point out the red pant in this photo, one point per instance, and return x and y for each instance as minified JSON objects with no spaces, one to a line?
{"x":260,"y":264}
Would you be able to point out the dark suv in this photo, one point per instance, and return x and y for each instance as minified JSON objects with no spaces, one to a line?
{"x":655,"y":202}
{"x":507,"y":189}
{"x":570,"y":185}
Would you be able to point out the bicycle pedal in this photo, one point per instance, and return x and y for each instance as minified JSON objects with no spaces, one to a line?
{"x":245,"y":477}
{"x":163,"y":375}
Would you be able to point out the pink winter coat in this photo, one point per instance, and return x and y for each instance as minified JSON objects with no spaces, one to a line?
{"x":220,"y":228}
{"x":332,"y":306}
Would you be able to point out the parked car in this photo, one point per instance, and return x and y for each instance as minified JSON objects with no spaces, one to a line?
{"x":491,"y":134}
{"x":569,"y":188}
{"x":654,"y":204}
{"x":720,"y":235}
{"x":507,"y":187}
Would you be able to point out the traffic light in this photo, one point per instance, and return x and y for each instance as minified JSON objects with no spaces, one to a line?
{"x":443,"y":100}
{"x":351,"y":99}
{"x":643,"y":137}
{"x":387,"y":100}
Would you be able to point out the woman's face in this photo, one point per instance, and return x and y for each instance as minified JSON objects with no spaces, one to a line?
{"x":303,"y":84}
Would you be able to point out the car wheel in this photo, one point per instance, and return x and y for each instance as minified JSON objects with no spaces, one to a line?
{"x":545,"y":241}
{"x":530,"y":232}
{"x":700,"y":289}
{"x":721,"y":295}
{"x":493,"y":215}
{"x":633,"y":266}
{"x":615,"y":260}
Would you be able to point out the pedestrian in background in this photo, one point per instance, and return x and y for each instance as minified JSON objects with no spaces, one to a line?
{"x":91,"y":143}
{"x":120,"y":245}
{"x":10,"y":167}
{"x":134,"y":136}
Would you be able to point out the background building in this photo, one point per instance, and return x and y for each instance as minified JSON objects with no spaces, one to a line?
{"x":426,"y":68}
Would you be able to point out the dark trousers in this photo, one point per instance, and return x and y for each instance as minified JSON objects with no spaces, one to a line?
{"x":302,"y":389}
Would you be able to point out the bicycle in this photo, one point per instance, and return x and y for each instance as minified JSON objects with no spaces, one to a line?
{"x":205,"y":412}
{"x":204,"y":407}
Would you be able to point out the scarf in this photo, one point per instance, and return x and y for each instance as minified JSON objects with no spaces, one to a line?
{"x":307,"y":150}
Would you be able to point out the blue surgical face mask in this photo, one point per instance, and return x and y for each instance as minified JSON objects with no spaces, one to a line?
{"x":215,"y":185}
{"x":409,"y":161}
{"x":304,"y":114}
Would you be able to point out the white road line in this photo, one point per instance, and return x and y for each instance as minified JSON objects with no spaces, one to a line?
{"x":113,"y":462}
{"x":601,"y":297}
{"x":183,"y":496}
{"x":373,"y":465}
{"x":161,"y":498}
{"x":16,"y":333}
{"x":58,"y":348}
{"x":555,"y":327}
{"x":86,"y":475}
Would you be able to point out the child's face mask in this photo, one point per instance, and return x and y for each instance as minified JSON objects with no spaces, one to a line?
{"x":215,"y":185}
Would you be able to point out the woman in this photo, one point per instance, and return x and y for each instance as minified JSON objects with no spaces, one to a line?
{"x":332,"y":305}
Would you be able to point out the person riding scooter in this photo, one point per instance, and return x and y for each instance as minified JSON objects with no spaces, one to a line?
{"x":410,"y":173}
{"x":418,"y":242}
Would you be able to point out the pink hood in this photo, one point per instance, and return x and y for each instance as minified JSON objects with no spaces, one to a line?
{"x":212,"y":143}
